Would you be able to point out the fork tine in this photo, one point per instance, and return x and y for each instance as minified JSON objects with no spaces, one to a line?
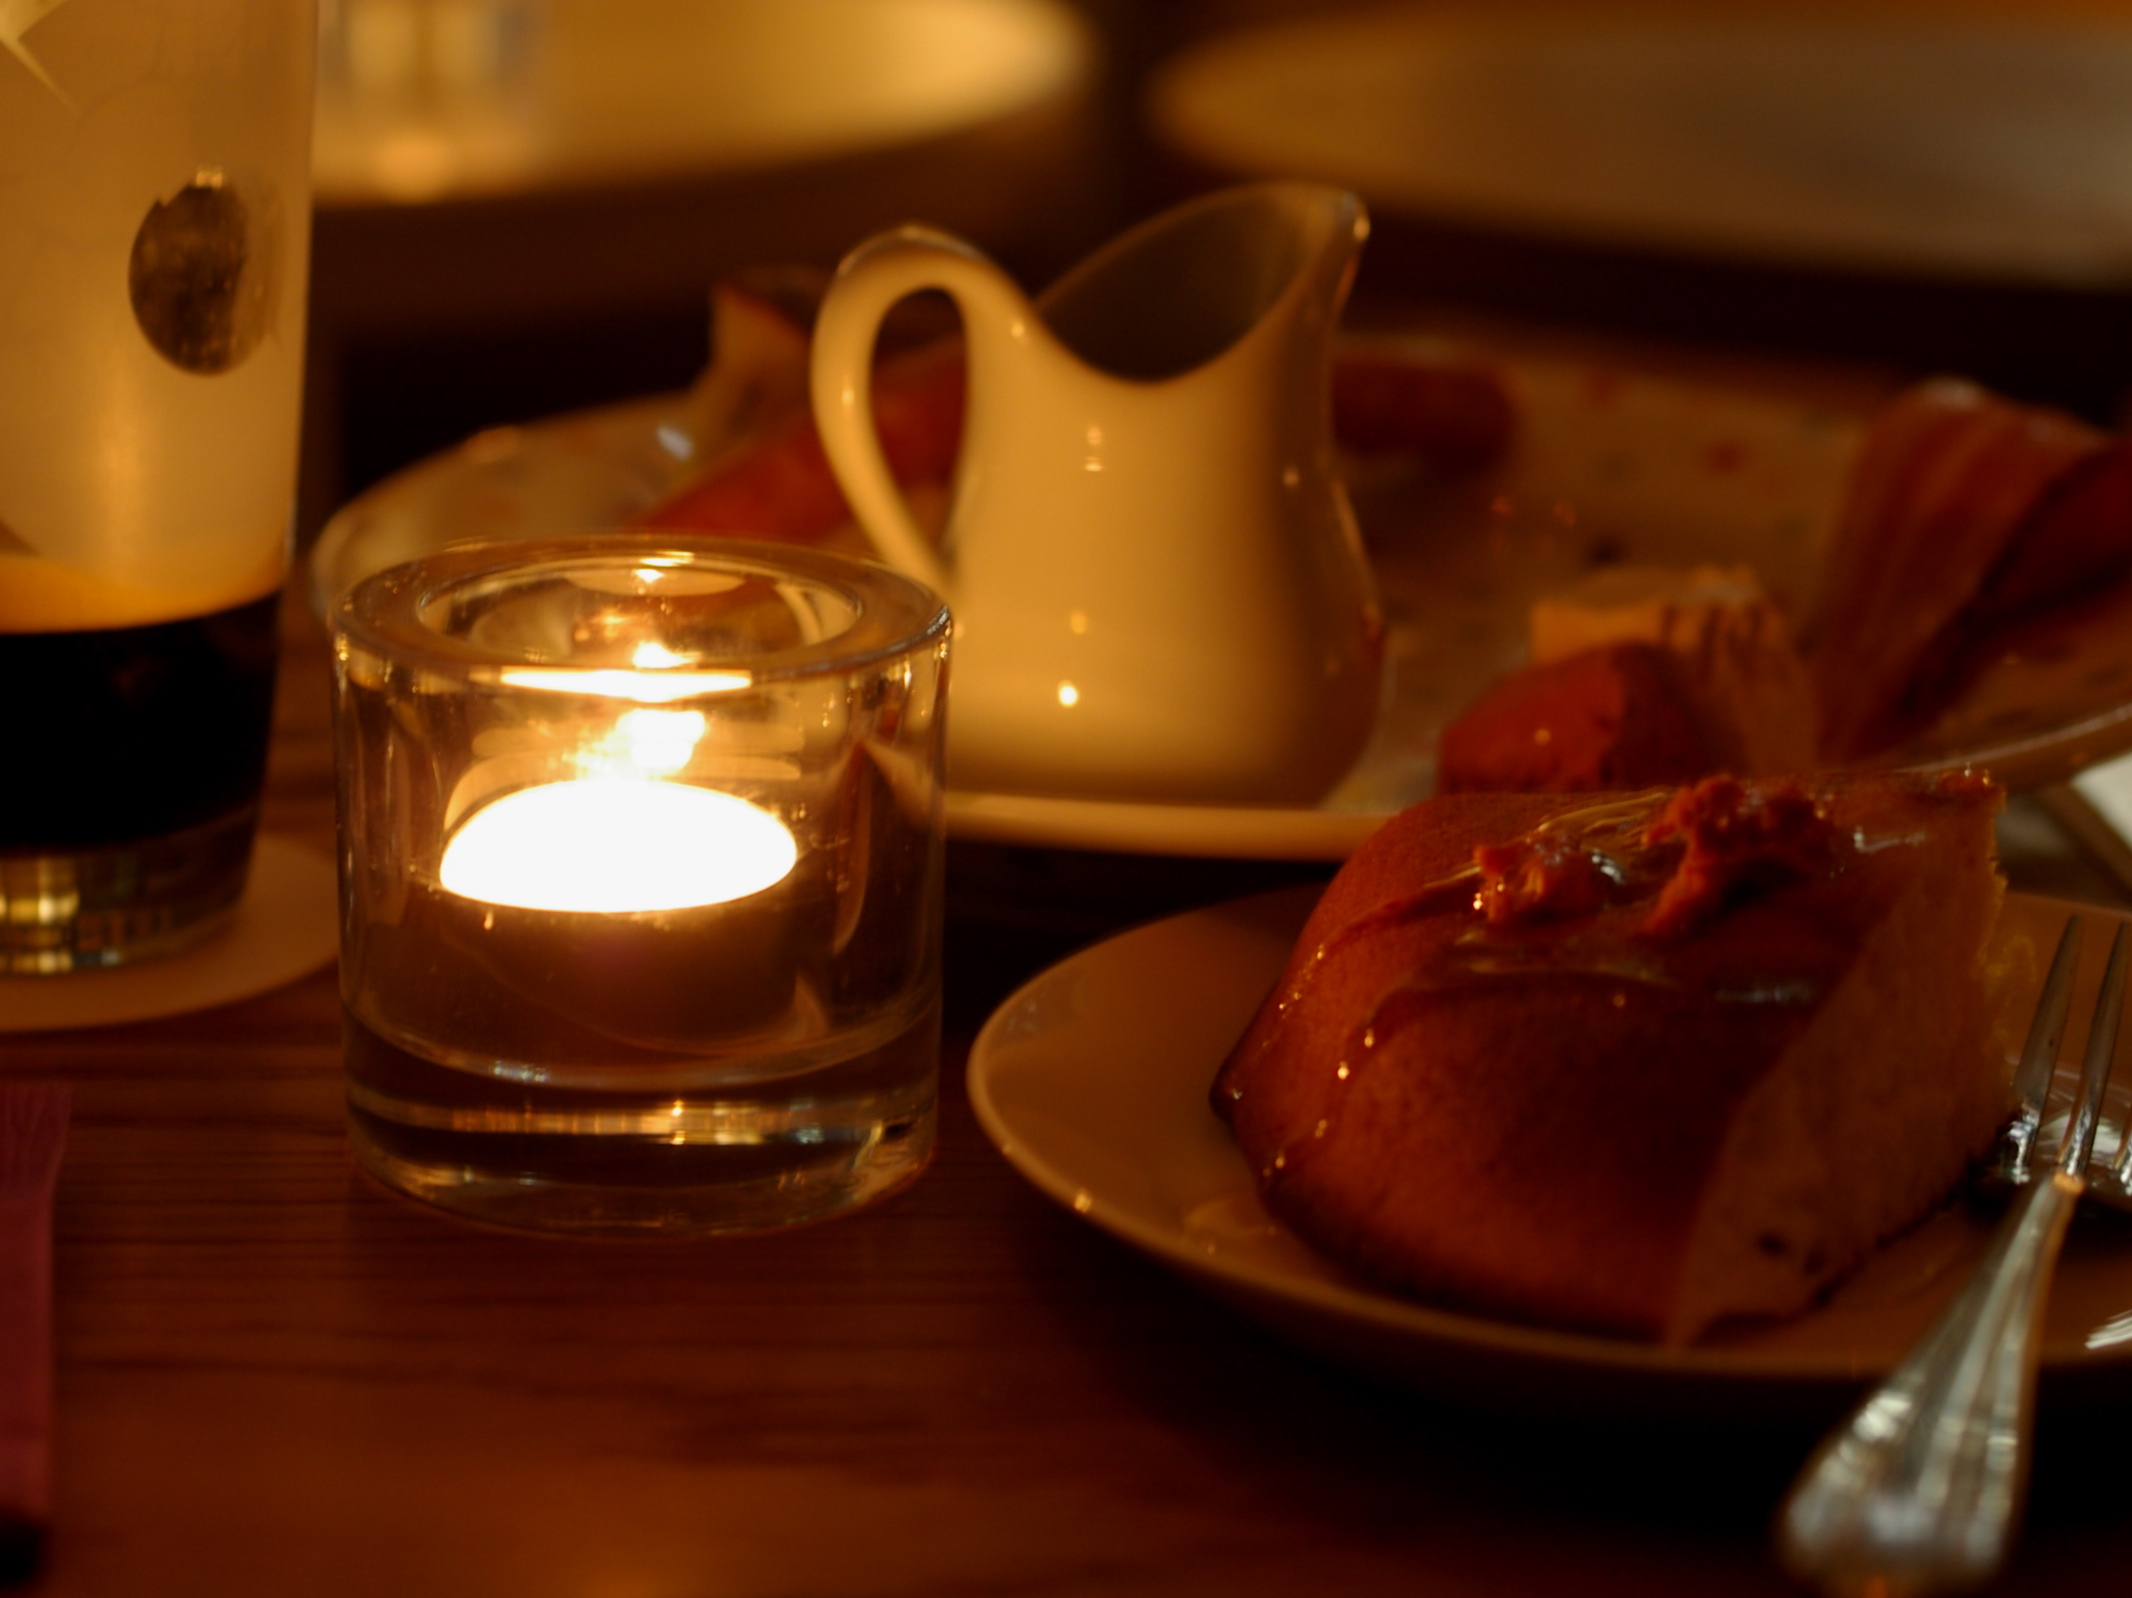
{"x":2095,"y":1073}
{"x":2039,"y":1062}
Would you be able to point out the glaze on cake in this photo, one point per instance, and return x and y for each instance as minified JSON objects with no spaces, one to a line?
{"x":1634,"y":1064}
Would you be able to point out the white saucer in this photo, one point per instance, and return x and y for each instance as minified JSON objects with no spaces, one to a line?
{"x":287,"y":925}
{"x":1093,"y":1081}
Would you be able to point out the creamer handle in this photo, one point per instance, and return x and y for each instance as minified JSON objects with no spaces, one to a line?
{"x":869,"y":281}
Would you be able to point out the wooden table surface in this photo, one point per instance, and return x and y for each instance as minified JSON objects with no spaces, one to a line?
{"x":275,"y":1377}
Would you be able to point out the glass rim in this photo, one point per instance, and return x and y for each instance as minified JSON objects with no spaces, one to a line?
{"x":893,"y":614}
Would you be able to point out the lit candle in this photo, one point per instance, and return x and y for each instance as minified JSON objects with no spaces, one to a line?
{"x":642,"y":840}
{"x":647,"y":910}
{"x":616,"y":844}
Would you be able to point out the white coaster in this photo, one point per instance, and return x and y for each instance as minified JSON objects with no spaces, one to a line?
{"x":287,"y":926}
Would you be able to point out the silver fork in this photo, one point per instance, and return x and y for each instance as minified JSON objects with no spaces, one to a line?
{"x":1918,"y":1493}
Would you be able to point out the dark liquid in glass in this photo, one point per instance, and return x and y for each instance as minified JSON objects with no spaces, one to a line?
{"x":119,"y":734}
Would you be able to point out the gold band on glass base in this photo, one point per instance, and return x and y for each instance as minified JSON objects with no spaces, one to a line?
{"x":88,"y":909}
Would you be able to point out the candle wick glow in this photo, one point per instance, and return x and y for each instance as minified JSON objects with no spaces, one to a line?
{"x":616,"y":845}
{"x":647,"y":743}
{"x":651,"y":655}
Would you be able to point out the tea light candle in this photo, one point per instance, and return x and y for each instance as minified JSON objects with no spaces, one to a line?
{"x":641,"y":909}
{"x":616,"y":844}
{"x":647,"y":910}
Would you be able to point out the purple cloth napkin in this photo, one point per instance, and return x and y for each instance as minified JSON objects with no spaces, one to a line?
{"x":33,"y":1131}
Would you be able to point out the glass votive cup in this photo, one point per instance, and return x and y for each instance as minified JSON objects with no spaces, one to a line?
{"x":641,"y":851}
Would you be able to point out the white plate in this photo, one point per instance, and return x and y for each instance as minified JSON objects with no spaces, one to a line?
{"x":543,"y":96}
{"x":1093,"y":1081}
{"x":1974,"y":147}
{"x":1606,"y":462}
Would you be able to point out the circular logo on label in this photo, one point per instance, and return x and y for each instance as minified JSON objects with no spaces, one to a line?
{"x":202,"y":276}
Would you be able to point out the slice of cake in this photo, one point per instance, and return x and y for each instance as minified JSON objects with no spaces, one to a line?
{"x":1753,"y":702}
{"x":1637,"y":1063}
{"x":1619,"y":716}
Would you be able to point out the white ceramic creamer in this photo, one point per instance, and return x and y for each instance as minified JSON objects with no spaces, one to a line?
{"x":1157,"y":585}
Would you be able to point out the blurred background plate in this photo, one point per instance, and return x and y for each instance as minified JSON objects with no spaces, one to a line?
{"x":1937,"y":188}
{"x":1993,"y":148}
{"x":422,"y":100}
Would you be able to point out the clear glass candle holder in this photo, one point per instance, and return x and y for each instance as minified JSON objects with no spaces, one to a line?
{"x":641,"y":856}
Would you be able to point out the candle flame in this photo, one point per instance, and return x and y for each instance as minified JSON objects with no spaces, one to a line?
{"x":616,"y":845}
{"x":648,"y":743}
